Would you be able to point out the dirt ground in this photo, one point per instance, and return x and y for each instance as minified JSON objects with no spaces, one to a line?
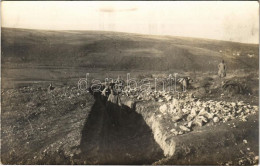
{"x":69,"y":126}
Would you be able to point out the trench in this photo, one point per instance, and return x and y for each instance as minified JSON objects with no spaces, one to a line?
{"x":129,"y":142}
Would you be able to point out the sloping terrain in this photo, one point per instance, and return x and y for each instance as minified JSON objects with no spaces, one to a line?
{"x":119,"y":51}
{"x":69,"y":126}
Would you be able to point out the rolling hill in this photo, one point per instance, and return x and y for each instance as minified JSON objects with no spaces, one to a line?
{"x":121,"y":51}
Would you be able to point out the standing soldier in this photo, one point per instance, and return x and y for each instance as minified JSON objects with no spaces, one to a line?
{"x":222,"y":69}
{"x":112,"y":106}
{"x":105,"y":93}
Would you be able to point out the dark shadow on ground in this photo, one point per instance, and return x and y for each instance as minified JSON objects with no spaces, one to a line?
{"x":130,"y":142}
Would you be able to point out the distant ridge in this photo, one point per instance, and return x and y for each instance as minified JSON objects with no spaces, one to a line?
{"x":122,"y":51}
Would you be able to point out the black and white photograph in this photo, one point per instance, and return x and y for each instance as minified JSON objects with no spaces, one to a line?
{"x":129,"y":82}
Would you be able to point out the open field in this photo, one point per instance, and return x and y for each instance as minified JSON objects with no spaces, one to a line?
{"x":70,"y":126}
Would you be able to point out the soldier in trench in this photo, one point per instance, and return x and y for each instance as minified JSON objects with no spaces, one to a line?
{"x":222,"y":69}
{"x":113,"y":106}
{"x":105,"y":93}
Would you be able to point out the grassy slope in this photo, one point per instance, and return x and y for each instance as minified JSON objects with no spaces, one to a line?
{"x":120,"y":51}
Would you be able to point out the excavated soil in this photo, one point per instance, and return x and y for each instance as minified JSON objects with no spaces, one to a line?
{"x":67,"y":126}
{"x":130,"y":142}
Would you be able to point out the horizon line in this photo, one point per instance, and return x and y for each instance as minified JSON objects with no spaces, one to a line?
{"x":193,"y":37}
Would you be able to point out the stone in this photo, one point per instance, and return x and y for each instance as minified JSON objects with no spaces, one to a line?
{"x":245,"y":141}
{"x":203,"y":119}
{"x":174,"y":131}
{"x":190,"y":124}
{"x":184,"y":128}
{"x":210,"y":115}
{"x":244,"y":119}
{"x":233,"y":104}
{"x":168,"y":97}
{"x":175,"y":102}
{"x":139,"y":97}
{"x":163,"y":108}
{"x":185,"y":110}
{"x":193,"y":112}
{"x":177,"y":117}
{"x":215,"y":119}
{"x":160,"y":100}
{"x":198,"y":103}
{"x":180,"y":132}
{"x":198,"y":122}
{"x":202,"y":111}
{"x":240,"y":103}
{"x":190,"y":117}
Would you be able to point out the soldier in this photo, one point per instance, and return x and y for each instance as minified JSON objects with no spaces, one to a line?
{"x":112,"y":107}
{"x":105,"y":93}
{"x":222,"y":69}
{"x":184,"y":82}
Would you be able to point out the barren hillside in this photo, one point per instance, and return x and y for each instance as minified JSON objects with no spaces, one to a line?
{"x":121,"y":51}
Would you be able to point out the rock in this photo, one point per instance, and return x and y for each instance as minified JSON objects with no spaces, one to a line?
{"x":198,"y":103}
{"x":184,"y":128}
{"x":160,"y":100}
{"x":202,"y":111}
{"x":180,"y":132}
{"x":198,"y":122}
{"x":139,"y":97}
{"x":240,"y":110}
{"x":130,"y":104}
{"x":215,"y":119}
{"x":175,"y":102}
{"x":190,"y":117}
{"x":163,"y":108}
{"x":210,"y":115}
{"x":233,"y":104}
{"x":190,"y":124}
{"x":174,"y":131}
{"x":244,"y":119}
{"x":193,"y":112}
{"x":191,"y":95}
{"x":245,"y":141}
{"x":177,"y":117}
{"x":203,"y":119}
{"x":240,"y":103}
{"x":227,"y":118}
{"x":185,"y":110}
{"x":168,"y":97}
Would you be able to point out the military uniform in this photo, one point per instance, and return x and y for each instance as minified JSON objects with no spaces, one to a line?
{"x":222,"y":70}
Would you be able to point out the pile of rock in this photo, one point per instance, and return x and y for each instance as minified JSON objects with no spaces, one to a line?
{"x":159,"y":96}
{"x":198,"y":113}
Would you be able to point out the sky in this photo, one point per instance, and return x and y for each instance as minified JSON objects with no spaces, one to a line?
{"x":232,"y":20}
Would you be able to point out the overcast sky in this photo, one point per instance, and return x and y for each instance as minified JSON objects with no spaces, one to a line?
{"x":233,"y":21}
